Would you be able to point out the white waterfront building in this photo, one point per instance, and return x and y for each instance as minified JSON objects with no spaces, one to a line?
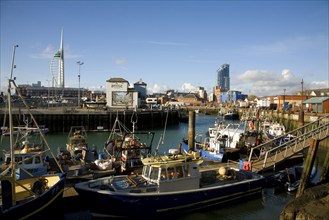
{"x":119,"y":95}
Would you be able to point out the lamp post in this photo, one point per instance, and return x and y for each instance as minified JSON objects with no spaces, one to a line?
{"x":284,"y":97}
{"x":48,"y":92}
{"x":80,"y":64}
{"x":13,"y":63}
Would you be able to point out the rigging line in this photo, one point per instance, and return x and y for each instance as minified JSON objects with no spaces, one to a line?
{"x":162,"y":136}
{"x":36,"y":124}
{"x":164,"y":130}
{"x":134,"y":116}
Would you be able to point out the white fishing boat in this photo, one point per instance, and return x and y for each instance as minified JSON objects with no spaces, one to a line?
{"x":276,"y":129}
{"x":224,"y":141}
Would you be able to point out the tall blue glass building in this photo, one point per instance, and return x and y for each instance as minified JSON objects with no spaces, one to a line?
{"x":223,"y":77}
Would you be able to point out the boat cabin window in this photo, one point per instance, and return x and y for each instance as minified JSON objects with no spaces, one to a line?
{"x":146,"y":171}
{"x":37,"y":160}
{"x":163,"y":174}
{"x":28,"y":160}
{"x":171,"y":172}
{"x":154,"y":173}
{"x":18,"y":159}
{"x":175,"y":172}
{"x":179,"y":172}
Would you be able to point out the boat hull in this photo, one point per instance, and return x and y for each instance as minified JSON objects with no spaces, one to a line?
{"x":46,"y":205}
{"x":215,"y":156}
{"x":166,"y":204}
{"x":231,"y":117}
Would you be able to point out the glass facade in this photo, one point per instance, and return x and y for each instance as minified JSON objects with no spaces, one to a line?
{"x":223,"y":77}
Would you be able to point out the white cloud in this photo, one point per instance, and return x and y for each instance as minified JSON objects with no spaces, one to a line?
{"x":50,"y":51}
{"x":255,"y":75}
{"x":318,"y":84}
{"x":120,"y":62}
{"x":265,"y":83}
{"x":187,"y":87}
{"x":156,"y":88}
{"x":46,"y":53}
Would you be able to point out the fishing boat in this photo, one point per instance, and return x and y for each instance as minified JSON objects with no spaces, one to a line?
{"x":224,"y":142}
{"x":33,"y":197}
{"x":77,"y":142}
{"x":80,"y":161}
{"x":30,"y":156}
{"x":276,"y":130}
{"x":231,"y":115}
{"x":127,"y":148}
{"x":169,"y":185}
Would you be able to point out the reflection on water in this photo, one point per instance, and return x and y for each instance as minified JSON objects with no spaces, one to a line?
{"x":268,"y":207}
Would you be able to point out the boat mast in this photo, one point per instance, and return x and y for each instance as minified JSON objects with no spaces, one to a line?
{"x":134,"y":120}
{"x":12,"y":155}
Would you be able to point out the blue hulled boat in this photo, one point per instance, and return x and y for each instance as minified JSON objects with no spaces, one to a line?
{"x":168,"y":186}
{"x":223,"y":141}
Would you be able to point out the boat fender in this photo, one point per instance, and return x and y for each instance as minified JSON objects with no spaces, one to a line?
{"x":39,"y":186}
{"x":222,"y":171}
{"x":246,"y":166}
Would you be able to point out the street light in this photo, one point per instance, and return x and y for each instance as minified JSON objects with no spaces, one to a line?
{"x":79,"y":63}
{"x":13,"y":63}
{"x":284,"y":97}
{"x":48,"y":92}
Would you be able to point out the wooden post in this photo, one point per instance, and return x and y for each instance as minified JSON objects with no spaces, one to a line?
{"x":301,"y":119}
{"x":325,"y":167}
{"x":257,"y":120}
{"x":191,"y":130}
{"x":308,"y":165}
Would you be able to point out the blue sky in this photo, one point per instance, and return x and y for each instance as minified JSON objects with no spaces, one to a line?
{"x":270,"y":45}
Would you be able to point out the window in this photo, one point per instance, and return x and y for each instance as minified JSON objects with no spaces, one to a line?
{"x":154,"y":173}
{"x":18,"y":159}
{"x":28,"y":160}
{"x":163,"y":174}
{"x":171,"y":172}
{"x":179,"y":172}
{"x":146,"y":171}
{"x":37,"y":160}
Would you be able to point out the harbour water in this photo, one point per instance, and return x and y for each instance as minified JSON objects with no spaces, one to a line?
{"x":267,"y":207}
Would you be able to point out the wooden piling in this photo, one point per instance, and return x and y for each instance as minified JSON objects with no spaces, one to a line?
{"x":257,"y":120}
{"x":301,"y":119}
{"x":325,"y":168}
{"x":308,"y":165}
{"x":191,"y":130}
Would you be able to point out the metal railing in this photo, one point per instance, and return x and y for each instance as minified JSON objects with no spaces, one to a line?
{"x":289,"y":144}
